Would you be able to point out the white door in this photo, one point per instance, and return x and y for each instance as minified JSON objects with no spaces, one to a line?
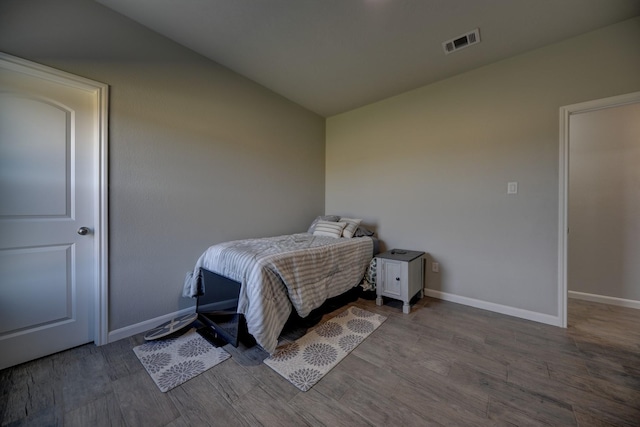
{"x":392,"y":278}
{"x":49,"y":185}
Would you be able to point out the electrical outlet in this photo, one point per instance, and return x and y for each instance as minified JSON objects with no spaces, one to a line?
{"x":435,"y":267}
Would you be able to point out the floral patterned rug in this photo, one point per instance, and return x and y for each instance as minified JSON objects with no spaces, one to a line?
{"x":173,"y":361}
{"x":305,"y":361}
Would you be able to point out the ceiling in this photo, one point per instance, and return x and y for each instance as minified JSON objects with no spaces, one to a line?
{"x":332,"y":56}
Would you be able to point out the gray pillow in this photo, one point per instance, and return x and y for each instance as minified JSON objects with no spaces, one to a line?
{"x":362,"y":231}
{"x":331,"y":218}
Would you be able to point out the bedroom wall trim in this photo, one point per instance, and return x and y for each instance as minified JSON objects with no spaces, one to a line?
{"x":141,"y":327}
{"x":603,"y":299}
{"x":563,"y":186}
{"x":497,"y":308}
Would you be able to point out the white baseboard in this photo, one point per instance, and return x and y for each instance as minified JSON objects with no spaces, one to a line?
{"x":138,"y":328}
{"x":497,"y":308}
{"x":605,"y":299}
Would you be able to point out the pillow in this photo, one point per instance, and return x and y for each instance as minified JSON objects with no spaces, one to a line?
{"x":352,"y":225}
{"x":332,"y":218}
{"x":363,"y":231}
{"x":329,"y":228}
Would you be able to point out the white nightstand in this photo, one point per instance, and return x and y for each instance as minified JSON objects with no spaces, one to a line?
{"x":400,"y":275}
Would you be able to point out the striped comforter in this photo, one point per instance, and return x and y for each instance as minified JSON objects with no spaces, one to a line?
{"x":278,"y":273}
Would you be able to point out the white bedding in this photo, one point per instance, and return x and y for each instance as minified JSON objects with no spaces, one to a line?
{"x":278,"y":273}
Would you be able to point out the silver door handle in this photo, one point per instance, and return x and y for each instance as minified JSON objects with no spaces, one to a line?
{"x":83,"y":231}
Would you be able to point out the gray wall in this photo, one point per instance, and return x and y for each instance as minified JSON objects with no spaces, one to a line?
{"x":198,"y":155}
{"x":604,"y":202}
{"x":430,"y":167}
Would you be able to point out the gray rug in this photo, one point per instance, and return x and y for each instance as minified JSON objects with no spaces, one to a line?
{"x":305,"y":361}
{"x":173,"y":361}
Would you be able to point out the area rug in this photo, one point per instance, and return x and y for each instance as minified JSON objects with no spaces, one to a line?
{"x":173,"y":361}
{"x":305,"y":361}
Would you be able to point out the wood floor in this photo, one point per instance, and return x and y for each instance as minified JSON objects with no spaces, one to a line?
{"x":443,"y":364}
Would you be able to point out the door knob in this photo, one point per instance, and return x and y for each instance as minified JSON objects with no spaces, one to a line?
{"x":83,"y":231}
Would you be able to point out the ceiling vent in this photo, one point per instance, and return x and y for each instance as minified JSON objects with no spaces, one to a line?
{"x":461,"y":42}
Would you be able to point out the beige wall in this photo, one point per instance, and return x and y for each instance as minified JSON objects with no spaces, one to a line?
{"x":604,"y":202}
{"x":430,"y":167}
{"x":197,"y":154}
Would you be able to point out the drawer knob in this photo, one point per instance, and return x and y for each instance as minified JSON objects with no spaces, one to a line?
{"x":398,"y":279}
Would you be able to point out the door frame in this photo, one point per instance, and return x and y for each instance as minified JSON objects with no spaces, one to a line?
{"x":100,"y":202}
{"x":563,"y":209}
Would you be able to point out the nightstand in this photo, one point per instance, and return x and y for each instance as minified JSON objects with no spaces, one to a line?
{"x":400,"y":275}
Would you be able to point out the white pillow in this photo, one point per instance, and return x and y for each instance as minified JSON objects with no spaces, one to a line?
{"x":327,"y":228}
{"x":351,"y":227}
{"x":332,"y":218}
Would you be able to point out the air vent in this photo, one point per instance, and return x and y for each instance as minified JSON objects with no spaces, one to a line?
{"x":462,"y":41}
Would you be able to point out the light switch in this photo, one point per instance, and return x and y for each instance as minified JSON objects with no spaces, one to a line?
{"x":512,"y":188}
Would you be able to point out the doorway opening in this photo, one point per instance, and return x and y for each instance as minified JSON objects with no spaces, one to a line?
{"x":566,"y":114}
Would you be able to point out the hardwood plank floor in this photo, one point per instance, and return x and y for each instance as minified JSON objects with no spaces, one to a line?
{"x":442,"y":364}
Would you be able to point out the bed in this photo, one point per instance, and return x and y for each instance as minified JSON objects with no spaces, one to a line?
{"x":284,"y":273}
